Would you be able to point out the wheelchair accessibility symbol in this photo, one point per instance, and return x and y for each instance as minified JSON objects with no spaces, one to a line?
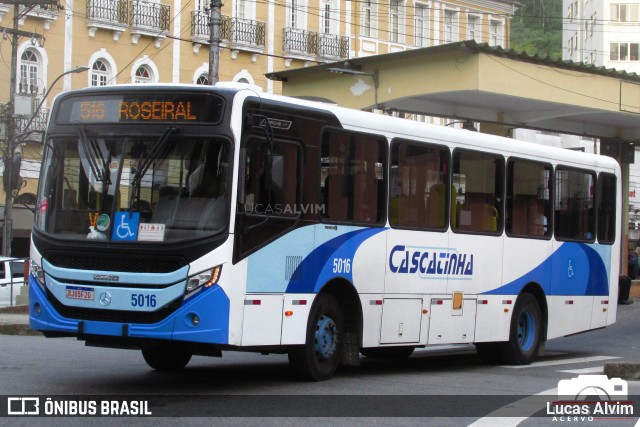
{"x":125,"y":226}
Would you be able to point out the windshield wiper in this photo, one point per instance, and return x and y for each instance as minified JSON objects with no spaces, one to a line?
{"x":93,"y":156}
{"x":159,"y":147}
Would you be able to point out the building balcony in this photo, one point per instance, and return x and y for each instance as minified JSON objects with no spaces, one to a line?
{"x":311,"y":45}
{"x":244,"y":34}
{"x":110,"y":15}
{"x":39,"y":123}
{"x":46,"y":13}
{"x":149,"y":19}
{"x":237,"y":33}
{"x":333,"y":46}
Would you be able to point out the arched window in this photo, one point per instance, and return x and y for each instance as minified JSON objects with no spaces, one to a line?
{"x":202,"y":80}
{"x":29,"y":72}
{"x":143,"y":75}
{"x":99,"y":73}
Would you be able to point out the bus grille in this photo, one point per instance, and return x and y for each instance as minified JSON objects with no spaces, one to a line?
{"x":116,"y":316}
{"x":129,"y":263}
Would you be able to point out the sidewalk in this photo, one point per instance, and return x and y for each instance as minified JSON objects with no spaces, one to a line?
{"x":15,"y":321}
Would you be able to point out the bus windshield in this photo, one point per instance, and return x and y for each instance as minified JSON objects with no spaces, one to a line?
{"x":128,"y":188}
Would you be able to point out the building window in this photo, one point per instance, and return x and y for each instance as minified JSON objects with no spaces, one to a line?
{"x":330,"y":17}
{"x":202,"y":80}
{"x":368,"y":18}
{"x":29,"y":72}
{"x":625,"y":12}
{"x":99,"y":73}
{"x":326,"y":19}
{"x":242,"y":9}
{"x":473,"y":25}
{"x":394,"y":20}
{"x":624,"y":51}
{"x":421,"y":23}
{"x":495,"y":34}
{"x":143,"y":75}
{"x":296,"y":14}
{"x":450,"y":33}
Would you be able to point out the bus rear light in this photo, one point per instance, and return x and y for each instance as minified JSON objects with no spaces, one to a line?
{"x":252,"y":302}
{"x":604,"y":302}
{"x":569,"y":302}
{"x":299,"y":302}
{"x":483,"y":302}
{"x":507,"y":301}
{"x":375,"y":302}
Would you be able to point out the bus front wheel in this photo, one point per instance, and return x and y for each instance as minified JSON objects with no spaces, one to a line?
{"x":166,"y":357}
{"x":318,"y":359}
{"x":525,"y":332}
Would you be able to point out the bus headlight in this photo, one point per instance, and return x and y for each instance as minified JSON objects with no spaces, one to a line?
{"x":36,"y":272}
{"x":202,"y":280}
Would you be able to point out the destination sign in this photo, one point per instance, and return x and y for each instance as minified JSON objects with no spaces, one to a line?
{"x":140,"y":107}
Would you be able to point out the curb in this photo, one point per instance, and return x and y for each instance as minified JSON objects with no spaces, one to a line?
{"x":625,"y":371}
{"x":18,"y":330}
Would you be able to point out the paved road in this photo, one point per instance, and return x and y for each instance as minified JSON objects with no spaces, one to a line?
{"x":263,"y":386}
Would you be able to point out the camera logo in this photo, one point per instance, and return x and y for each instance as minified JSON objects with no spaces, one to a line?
{"x":593,"y":388}
{"x":23,"y":406}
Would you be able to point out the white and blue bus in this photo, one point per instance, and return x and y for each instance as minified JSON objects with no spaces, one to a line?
{"x":190,"y":220}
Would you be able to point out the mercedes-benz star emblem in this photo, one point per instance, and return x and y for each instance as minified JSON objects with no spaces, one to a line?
{"x":105,"y":298}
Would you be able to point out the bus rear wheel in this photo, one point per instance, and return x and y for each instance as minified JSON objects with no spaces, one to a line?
{"x":318,"y":359}
{"x":166,"y":357}
{"x":524,"y":333}
{"x":387,"y":352}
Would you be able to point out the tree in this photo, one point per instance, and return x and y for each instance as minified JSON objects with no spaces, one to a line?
{"x":537,"y":28}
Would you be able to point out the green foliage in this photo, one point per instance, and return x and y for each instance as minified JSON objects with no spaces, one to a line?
{"x":536,"y":28}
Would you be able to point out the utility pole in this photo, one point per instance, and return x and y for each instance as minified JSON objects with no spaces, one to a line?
{"x":7,"y":227}
{"x":215,"y":23}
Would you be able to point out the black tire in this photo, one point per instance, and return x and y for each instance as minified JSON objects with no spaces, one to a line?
{"x":166,"y":357}
{"x":489,"y":352}
{"x":387,"y":352}
{"x":524,"y":333}
{"x":318,"y":359}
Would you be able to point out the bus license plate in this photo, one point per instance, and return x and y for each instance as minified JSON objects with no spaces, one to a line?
{"x":77,"y":292}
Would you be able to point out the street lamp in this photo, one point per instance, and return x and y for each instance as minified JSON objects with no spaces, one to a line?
{"x":44,"y":96}
{"x":355,"y":72}
{"x":8,"y":160}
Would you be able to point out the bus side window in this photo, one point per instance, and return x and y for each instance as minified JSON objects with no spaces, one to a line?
{"x":528,"y":198}
{"x":419,"y":185}
{"x":574,"y":204}
{"x":606,"y":194}
{"x":479,"y":203}
{"x":353,"y":164}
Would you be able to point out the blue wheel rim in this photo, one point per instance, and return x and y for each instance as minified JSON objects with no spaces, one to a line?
{"x":526,"y":330}
{"x":326,"y":337}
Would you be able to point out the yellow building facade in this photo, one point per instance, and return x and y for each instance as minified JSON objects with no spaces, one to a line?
{"x":135,"y":41}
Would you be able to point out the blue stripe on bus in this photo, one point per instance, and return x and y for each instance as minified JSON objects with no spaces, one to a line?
{"x":578,"y":269}
{"x":319,"y":263}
